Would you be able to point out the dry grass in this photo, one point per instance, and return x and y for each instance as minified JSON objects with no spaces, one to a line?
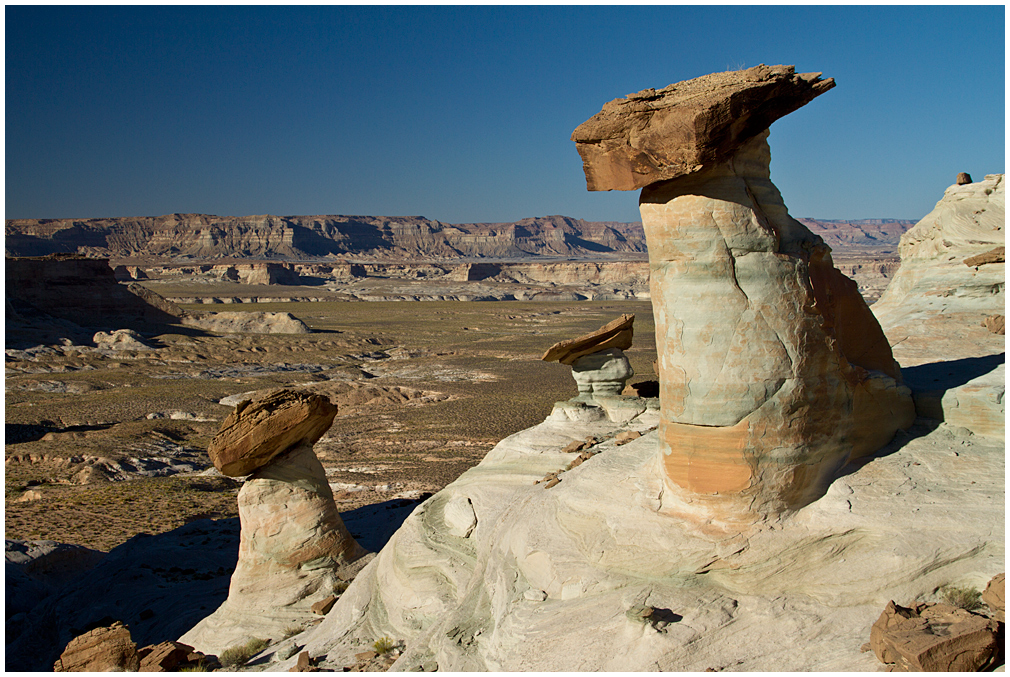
{"x":968,"y":599}
{"x":237,"y":656}
{"x":383,"y":645}
{"x":483,"y":355}
{"x":105,"y":515}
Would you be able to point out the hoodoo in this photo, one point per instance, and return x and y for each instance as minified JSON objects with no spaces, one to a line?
{"x":294,"y":549}
{"x":773,"y":371}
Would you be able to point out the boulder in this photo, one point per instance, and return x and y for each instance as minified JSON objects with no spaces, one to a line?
{"x":294,"y":552}
{"x":257,"y":431}
{"x":108,"y":649}
{"x":994,"y":597}
{"x":995,"y":324}
{"x":164,"y":657}
{"x":656,"y":135}
{"x":934,"y":638}
{"x":963,"y":178}
{"x":323,"y":606}
{"x":994,"y":255}
{"x":615,"y":334}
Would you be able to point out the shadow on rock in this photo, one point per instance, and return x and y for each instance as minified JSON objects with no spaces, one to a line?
{"x":160,"y":586}
{"x":942,"y":376}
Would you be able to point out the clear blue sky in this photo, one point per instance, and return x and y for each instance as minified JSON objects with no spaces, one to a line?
{"x":463,"y":114}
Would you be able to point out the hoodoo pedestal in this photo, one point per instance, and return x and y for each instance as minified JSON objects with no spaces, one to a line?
{"x":294,"y":549}
{"x":773,"y":371}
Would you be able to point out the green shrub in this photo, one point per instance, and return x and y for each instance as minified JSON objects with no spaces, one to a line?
{"x":240,"y":654}
{"x":968,"y":599}
{"x":383,"y":645}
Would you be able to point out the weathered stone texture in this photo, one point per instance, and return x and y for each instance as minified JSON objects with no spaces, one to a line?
{"x":603,"y":373}
{"x":256,"y":432}
{"x":686,"y":127}
{"x":615,"y":334}
{"x":293,"y":552}
{"x":773,"y":371}
{"x":107,"y":649}
{"x":994,"y":597}
{"x":933,"y":638}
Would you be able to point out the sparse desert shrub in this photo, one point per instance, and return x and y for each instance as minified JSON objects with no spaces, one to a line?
{"x":968,"y":599}
{"x":240,"y":654}
{"x":199,"y":667}
{"x":383,"y":645}
{"x":291,"y":631}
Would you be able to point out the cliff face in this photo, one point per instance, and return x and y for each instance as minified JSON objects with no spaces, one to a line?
{"x":200,"y":236}
{"x":84,"y":291}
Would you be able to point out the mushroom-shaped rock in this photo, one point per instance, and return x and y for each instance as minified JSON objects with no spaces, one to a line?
{"x":773,"y":371}
{"x":616,"y":334}
{"x":294,"y":549}
{"x":256,"y":432}
{"x":603,"y":373}
{"x":655,"y":135}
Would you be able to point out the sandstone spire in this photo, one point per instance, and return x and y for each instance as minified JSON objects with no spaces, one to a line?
{"x":294,"y":549}
{"x":774,"y":372}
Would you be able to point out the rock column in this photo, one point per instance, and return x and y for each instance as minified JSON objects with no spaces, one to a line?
{"x":294,"y":549}
{"x":773,"y":371}
{"x":761,"y":405}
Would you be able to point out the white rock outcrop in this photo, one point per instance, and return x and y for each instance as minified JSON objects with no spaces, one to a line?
{"x":498,"y":573}
{"x":247,"y":322}
{"x":934,"y":310}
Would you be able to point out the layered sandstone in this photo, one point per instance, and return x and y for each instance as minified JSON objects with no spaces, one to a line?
{"x":257,"y":431}
{"x":207,"y":237}
{"x":942,"y":306}
{"x":615,"y":334}
{"x":656,"y":135}
{"x":774,"y":373}
{"x":294,"y":549}
{"x":83,"y":291}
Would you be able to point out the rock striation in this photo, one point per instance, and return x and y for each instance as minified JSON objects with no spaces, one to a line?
{"x":504,"y":566}
{"x":774,"y":373}
{"x":255,"y":432}
{"x":616,"y":334}
{"x":943,"y":310}
{"x":294,"y":549}
{"x":108,"y":649}
{"x":563,"y":549}
{"x":207,"y":237}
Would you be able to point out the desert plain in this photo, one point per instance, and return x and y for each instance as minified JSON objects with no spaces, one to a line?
{"x":769,"y":464}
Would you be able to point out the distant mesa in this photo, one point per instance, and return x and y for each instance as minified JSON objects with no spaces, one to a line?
{"x":203,"y":237}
